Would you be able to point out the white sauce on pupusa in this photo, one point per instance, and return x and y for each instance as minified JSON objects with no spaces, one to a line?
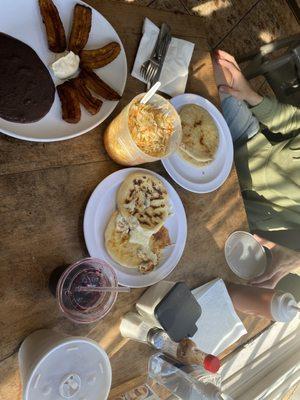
{"x":140,"y":236}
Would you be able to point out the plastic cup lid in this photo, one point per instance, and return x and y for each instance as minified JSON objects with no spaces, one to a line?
{"x":245,"y":256}
{"x":76,"y":369}
{"x":283,"y":307}
{"x":211,"y":363}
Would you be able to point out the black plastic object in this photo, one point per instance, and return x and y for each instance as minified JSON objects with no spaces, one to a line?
{"x":54,"y":278}
{"x":178,"y":312}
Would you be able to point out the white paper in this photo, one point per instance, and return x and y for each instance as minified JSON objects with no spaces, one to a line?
{"x":219,"y":325}
{"x":175,"y":70}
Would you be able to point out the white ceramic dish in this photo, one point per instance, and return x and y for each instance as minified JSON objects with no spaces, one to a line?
{"x":101,"y":205}
{"x":212,"y":176}
{"x":22,"y":20}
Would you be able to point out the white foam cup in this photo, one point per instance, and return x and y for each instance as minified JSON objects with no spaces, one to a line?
{"x":245,"y":256}
{"x":54,"y":366}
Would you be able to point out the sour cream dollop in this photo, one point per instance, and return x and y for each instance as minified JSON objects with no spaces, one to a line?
{"x":66,"y":66}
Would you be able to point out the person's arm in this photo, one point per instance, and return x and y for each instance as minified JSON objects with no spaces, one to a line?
{"x":283,"y":261}
{"x":239,"y":87}
{"x":278,"y":117}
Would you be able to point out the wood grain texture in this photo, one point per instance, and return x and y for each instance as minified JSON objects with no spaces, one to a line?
{"x":267,"y":21}
{"x":44,"y":189}
{"x":137,"y":2}
{"x":219,"y":17}
{"x":42,"y":214}
{"x":19,"y":156}
{"x":170,"y":5}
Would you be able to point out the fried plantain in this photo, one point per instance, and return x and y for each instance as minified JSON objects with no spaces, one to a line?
{"x":89,"y":102}
{"x":81,"y":26}
{"x":98,"y":58}
{"x":94,"y":83}
{"x":54,"y":28}
{"x":69,"y":102}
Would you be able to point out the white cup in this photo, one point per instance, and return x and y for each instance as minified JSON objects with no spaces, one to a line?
{"x":54,"y":366}
{"x":245,"y":256}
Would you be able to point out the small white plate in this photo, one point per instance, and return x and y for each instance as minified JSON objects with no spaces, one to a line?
{"x":212,"y":176}
{"x":102,"y":204}
{"x":22,"y":20}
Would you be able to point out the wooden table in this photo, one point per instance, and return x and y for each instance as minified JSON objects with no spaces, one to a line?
{"x":44,"y":189}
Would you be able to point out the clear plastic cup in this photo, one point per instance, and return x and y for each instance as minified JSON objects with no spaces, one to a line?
{"x":86,"y":307}
{"x":118,"y":140}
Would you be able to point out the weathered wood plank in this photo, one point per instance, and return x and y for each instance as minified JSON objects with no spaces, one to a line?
{"x":42,"y":214}
{"x":267,"y":21}
{"x":20,"y":156}
{"x":43,"y":192}
{"x":170,"y":5}
{"x":219,"y":17}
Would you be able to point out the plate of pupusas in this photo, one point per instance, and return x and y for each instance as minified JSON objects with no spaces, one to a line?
{"x":204,"y":158}
{"x":63,"y":69}
{"x":136,"y":222}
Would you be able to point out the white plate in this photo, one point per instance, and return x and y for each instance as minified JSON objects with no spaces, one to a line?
{"x":22,"y":20}
{"x":212,"y":176}
{"x":102,"y":204}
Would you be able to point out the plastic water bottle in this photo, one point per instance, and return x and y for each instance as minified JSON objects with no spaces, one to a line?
{"x":193,"y":383}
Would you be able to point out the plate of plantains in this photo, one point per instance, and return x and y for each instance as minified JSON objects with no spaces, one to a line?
{"x":63,"y":69}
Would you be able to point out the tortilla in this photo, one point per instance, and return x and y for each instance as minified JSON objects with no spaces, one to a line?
{"x":118,"y":246}
{"x":200,"y":139}
{"x":160,"y":240}
{"x":129,"y":254}
{"x":145,"y":197}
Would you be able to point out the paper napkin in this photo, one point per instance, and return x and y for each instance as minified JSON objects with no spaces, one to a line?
{"x":175,"y":70}
{"x":218,"y":326}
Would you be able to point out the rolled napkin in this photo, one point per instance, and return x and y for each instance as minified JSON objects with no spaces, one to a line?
{"x":175,"y":69}
{"x":219,"y":325}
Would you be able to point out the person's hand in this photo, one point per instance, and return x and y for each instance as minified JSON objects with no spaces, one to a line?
{"x":282,"y":262}
{"x":240,"y":88}
{"x":222,"y":75}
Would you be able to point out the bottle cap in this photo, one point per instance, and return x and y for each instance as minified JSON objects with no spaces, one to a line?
{"x":157,"y":338}
{"x":282,"y":307}
{"x":211,"y":363}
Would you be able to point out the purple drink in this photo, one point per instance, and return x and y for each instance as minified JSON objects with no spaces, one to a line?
{"x":87,"y":278}
{"x":86,"y":307}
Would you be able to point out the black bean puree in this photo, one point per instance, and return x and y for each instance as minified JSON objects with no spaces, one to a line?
{"x":26,"y":87}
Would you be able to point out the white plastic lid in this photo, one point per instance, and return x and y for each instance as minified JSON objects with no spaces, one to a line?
{"x":282,"y":307}
{"x":245,"y":256}
{"x":76,"y":369}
